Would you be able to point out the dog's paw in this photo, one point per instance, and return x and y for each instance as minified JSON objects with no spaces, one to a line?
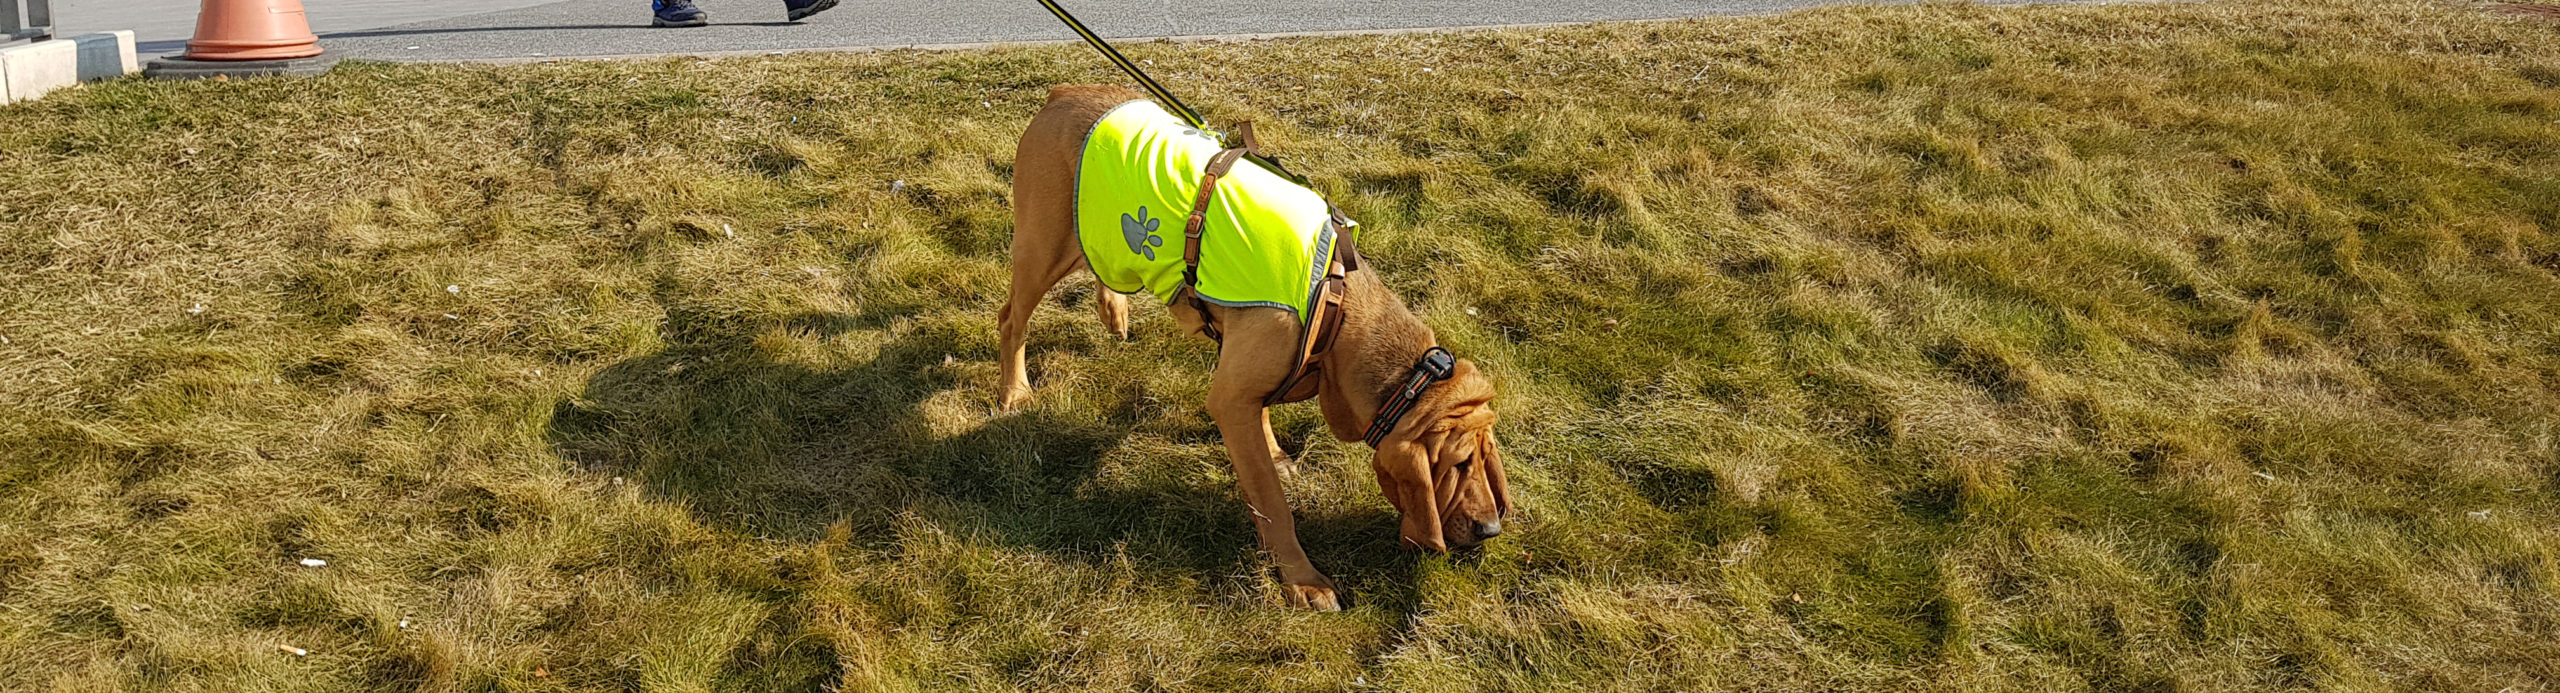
{"x":1012,"y":398}
{"x":1288,"y":466}
{"x":1319,"y":597}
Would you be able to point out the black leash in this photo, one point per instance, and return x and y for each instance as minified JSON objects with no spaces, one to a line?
{"x":1164,"y":96}
{"x":1153,"y":89}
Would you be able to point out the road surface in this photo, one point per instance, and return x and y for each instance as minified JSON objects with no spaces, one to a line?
{"x":477,"y":30}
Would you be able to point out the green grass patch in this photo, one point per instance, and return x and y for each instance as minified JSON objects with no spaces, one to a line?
{"x":2196,"y":346}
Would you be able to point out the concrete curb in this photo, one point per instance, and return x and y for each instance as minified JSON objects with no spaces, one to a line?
{"x":106,"y":55}
{"x":29,"y":71}
{"x":182,"y":68}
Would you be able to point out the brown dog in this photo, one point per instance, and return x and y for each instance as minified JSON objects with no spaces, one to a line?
{"x":1438,"y":466}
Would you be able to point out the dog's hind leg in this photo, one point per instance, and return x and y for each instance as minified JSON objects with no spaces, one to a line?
{"x":1045,"y":248}
{"x":1044,"y":251}
{"x":1031,"y":282}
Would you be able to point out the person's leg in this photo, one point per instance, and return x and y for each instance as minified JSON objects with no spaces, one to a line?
{"x":677,"y":13}
{"x":802,"y":9}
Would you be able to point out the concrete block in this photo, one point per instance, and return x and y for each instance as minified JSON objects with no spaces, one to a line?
{"x":106,"y":55}
{"x":30,"y":70}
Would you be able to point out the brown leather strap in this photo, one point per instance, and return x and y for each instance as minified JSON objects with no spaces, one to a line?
{"x":1322,"y":342}
{"x":1207,"y":327}
{"x":1344,"y":250}
{"x":1246,"y":140}
{"x":1324,"y":322}
{"x":1217,"y":168}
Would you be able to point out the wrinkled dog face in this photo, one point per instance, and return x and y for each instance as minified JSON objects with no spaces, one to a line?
{"x":1443,"y":470}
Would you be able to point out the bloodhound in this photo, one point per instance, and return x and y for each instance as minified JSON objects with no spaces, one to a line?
{"x":1380,"y":378}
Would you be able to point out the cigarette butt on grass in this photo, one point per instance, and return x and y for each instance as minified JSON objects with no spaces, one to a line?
{"x":291,"y":650}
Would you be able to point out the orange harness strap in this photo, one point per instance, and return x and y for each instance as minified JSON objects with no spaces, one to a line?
{"x":1217,"y":168}
{"x":1324,"y":315}
{"x":1324,"y":322}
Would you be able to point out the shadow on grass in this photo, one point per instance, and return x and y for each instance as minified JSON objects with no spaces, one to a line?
{"x":764,"y":448}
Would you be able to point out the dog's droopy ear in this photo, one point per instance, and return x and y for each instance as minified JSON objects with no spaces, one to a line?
{"x":1404,"y":473}
{"x":1471,"y":415}
{"x":1491,"y":454}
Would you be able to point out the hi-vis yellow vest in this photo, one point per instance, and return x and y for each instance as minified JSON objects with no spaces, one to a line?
{"x":1268,"y":241}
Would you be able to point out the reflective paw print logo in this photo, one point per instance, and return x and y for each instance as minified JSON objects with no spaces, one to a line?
{"x":1140,"y":231}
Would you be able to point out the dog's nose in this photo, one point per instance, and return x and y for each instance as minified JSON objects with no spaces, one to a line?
{"x":1488,"y":530}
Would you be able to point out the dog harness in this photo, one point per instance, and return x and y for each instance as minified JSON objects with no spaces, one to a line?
{"x":1251,"y":236}
{"x":1262,"y":240}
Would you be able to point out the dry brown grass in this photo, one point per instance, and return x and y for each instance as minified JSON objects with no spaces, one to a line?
{"x":2208,"y":346}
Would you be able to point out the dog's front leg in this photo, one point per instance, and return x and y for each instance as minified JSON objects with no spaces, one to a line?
{"x":1258,"y":475}
{"x":1249,"y":366}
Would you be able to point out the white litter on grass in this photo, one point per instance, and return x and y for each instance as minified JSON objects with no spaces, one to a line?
{"x":1471,"y":310}
{"x":897,"y":186}
{"x":726,"y":231}
{"x":450,"y":316}
{"x":2263,"y":475}
{"x":1426,"y":69}
{"x":295,"y":651}
{"x":198,"y":310}
{"x":313,"y":563}
{"x":455,"y":289}
{"x":2482,"y":515}
{"x":411,"y":48}
{"x":404,"y":624}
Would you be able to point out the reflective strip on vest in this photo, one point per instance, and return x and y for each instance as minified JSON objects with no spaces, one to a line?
{"x":1267,"y":241}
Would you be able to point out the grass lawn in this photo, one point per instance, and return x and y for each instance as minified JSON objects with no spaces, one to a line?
{"x":2196,"y":346}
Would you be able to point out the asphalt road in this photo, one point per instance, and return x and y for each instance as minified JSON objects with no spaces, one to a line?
{"x":162,"y":26}
{"x":463,"y":30}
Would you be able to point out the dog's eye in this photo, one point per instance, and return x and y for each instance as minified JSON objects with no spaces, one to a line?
{"x":1464,"y":466}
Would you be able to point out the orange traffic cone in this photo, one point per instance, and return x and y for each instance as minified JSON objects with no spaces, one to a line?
{"x":252,"y":30}
{"x":247,"y":38}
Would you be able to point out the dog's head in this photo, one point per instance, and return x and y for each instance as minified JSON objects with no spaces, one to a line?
{"x":1442,"y":469}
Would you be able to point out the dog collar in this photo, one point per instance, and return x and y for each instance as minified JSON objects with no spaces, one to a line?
{"x":1436,"y":365}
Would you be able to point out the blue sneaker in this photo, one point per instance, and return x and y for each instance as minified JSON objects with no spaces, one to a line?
{"x":677,"y":13}
{"x":802,"y":9}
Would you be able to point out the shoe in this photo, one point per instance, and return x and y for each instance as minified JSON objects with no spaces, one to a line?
{"x":677,"y":13}
{"x":802,"y":9}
